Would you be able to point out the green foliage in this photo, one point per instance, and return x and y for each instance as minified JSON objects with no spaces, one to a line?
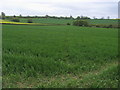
{"x":104,"y":26}
{"x":29,"y":21}
{"x":80,"y":23}
{"x":110,"y":26}
{"x":71,"y":17}
{"x":68,"y":23}
{"x":82,"y":17}
{"x":47,"y":16}
{"x":20,"y":16}
{"x":14,"y":16}
{"x":3,"y":15}
{"x":78,"y":18}
{"x":15,"y":20}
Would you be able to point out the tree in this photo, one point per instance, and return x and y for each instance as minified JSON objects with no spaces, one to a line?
{"x":66,"y":17}
{"x":3,"y":15}
{"x":14,"y":16}
{"x":78,"y":18}
{"x":36,"y":16}
{"x":102,"y":17}
{"x":47,"y":16}
{"x":71,"y":17}
{"x":108,"y":17}
{"x":82,"y":17}
{"x":94,"y":17}
{"x":28,"y":16}
{"x":20,"y":15}
{"x":80,"y":23}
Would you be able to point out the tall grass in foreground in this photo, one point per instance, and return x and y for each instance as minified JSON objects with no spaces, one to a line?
{"x":49,"y":55}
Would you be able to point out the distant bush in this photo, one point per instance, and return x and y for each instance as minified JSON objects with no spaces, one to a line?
{"x":96,"y":25}
{"x":30,"y":21}
{"x":15,"y":20}
{"x":68,"y":23}
{"x":110,"y":26}
{"x":80,"y":23}
{"x":104,"y":26}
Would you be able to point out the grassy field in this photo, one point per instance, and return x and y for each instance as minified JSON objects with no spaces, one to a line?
{"x":65,"y":21}
{"x":59,"y":56}
{"x":9,"y":22}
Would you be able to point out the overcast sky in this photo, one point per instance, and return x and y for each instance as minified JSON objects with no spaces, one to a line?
{"x":91,"y":8}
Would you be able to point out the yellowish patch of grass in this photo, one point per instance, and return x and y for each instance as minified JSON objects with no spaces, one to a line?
{"x":19,"y":23}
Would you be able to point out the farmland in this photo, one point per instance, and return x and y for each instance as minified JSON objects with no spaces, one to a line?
{"x":45,"y":56}
{"x":65,"y":21}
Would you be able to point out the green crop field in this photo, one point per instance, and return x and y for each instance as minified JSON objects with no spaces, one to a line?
{"x":48,"y":20}
{"x":104,"y":21}
{"x":65,"y":21}
{"x":59,"y":56}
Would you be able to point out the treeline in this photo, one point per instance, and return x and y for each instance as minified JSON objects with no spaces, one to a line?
{"x":55,"y":17}
{"x":3,"y":16}
{"x":47,"y":16}
{"x":14,"y":18}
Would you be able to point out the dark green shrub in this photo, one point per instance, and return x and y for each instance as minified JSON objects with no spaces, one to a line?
{"x":102,"y":26}
{"x":15,"y":20}
{"x":97,"y":25}
{"x":110,"y":26}
{"x":80,"y":23}
{"x":105,"y":26}
{"x":68,"y":23}
{"x":30,"y":21}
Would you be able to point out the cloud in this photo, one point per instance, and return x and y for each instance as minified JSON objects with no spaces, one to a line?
{"x":98,"y":8}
